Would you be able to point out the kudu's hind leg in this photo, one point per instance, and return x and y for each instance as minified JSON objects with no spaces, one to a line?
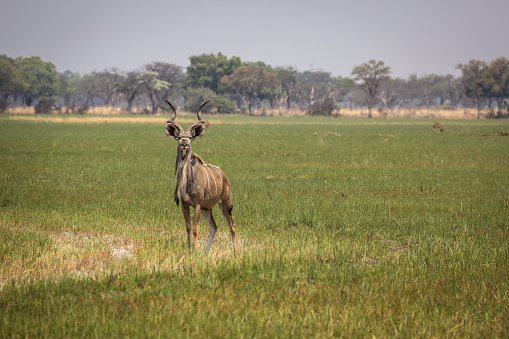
{"x":187,"y":217}
{"x":207,"y":214}
{"x":228,"y":217}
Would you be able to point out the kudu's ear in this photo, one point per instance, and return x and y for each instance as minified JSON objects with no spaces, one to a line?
{"x":197,"y":129}
{"x":173,"y":129}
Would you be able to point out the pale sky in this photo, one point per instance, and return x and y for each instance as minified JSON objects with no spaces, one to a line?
{"x":410,"y":36}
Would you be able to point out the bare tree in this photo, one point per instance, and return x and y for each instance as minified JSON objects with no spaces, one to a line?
{"x":105,"y":85}
{"x":130,"y":85}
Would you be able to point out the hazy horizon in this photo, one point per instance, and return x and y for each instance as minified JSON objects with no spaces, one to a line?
{"x":421,"y":37}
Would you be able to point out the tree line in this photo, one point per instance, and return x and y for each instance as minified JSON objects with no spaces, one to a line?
{"x":237,"y":86}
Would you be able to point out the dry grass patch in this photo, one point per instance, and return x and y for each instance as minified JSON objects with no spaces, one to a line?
{"x":69,"y":254}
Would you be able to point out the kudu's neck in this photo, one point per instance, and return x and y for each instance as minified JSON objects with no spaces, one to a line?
{"x":182,"y":158}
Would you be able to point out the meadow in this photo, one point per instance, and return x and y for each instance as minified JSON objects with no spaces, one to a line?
{"x":346,"y":227}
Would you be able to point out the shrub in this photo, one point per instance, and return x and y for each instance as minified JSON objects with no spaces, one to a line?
{"x":322,"y":107}
{"x":3,"y":105}
{"x":44,"y":105}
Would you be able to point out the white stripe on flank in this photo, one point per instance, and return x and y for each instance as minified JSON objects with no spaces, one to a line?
{"x":220,"y":175}
{"x":212,"y":174}
{"x":207,"y":174}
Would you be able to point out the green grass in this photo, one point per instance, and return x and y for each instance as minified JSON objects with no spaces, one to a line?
{"x":346,"y":227}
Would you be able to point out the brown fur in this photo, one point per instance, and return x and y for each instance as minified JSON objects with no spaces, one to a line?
{"x":439,"y":126}
{"x":197,"y":184}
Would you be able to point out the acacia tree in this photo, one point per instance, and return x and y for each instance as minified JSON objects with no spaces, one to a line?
{"x":497,"y":81}
{"x":249,"y":82}
{"x":370,"y":76}
{"x":155,"y":89}
{"x":473,"y":76}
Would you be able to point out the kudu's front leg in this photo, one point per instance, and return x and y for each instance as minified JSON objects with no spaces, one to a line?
{"x":187,"y":217}
{"x":196,"y":221}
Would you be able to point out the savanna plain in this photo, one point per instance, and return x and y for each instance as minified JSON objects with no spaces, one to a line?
{"x":346,"y":228}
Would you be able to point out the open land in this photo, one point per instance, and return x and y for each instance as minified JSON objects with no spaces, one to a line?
{"x":346,"y":227}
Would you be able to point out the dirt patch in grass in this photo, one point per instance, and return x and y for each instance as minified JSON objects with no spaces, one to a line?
{"x":497,"y":134}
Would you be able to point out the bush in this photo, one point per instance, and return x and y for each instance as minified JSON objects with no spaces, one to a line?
{"x":196,"y":96}
{"x":44,"y":105}
{"x":224,"y":105}
{"x":322,"y":107}
{"x":3,"y":105}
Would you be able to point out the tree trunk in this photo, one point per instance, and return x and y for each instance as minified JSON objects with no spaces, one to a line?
{"x":500,"y":102}
{"x":250,"y":106}
{"x":478,"y":108}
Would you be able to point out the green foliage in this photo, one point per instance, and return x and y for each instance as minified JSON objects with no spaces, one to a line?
{"x":249,"y":82}
{"x":473,"y":75}
{"x":371,"y":75}
{"x":497,"y":81}
{"x":196,"y":96}
{"x":286,"y":86}
{"x":315,"y":88}
{"x":41,"y":77}
{"x":206,"y":70}
{"x":3,"y":105}
{"x":159,"y":81}
{"x":11,"y":80}
{"x":29,"y":78}
{"x":224,"y":105}
{"x":156,"y":88}
{"x":346,"y":228}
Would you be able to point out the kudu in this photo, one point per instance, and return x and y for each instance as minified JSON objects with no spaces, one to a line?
{"x":199,"y":185}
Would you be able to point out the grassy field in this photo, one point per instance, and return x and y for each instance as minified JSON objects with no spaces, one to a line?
{"x":346,"y":227}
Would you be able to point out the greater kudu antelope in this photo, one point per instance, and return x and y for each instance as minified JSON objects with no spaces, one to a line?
{"x":199,"y":185}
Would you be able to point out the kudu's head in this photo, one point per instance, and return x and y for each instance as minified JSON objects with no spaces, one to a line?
{"x":184,"y":138}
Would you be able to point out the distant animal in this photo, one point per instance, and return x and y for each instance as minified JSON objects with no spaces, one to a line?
{"x":439,"y":126}
{"x":198,"y":185}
